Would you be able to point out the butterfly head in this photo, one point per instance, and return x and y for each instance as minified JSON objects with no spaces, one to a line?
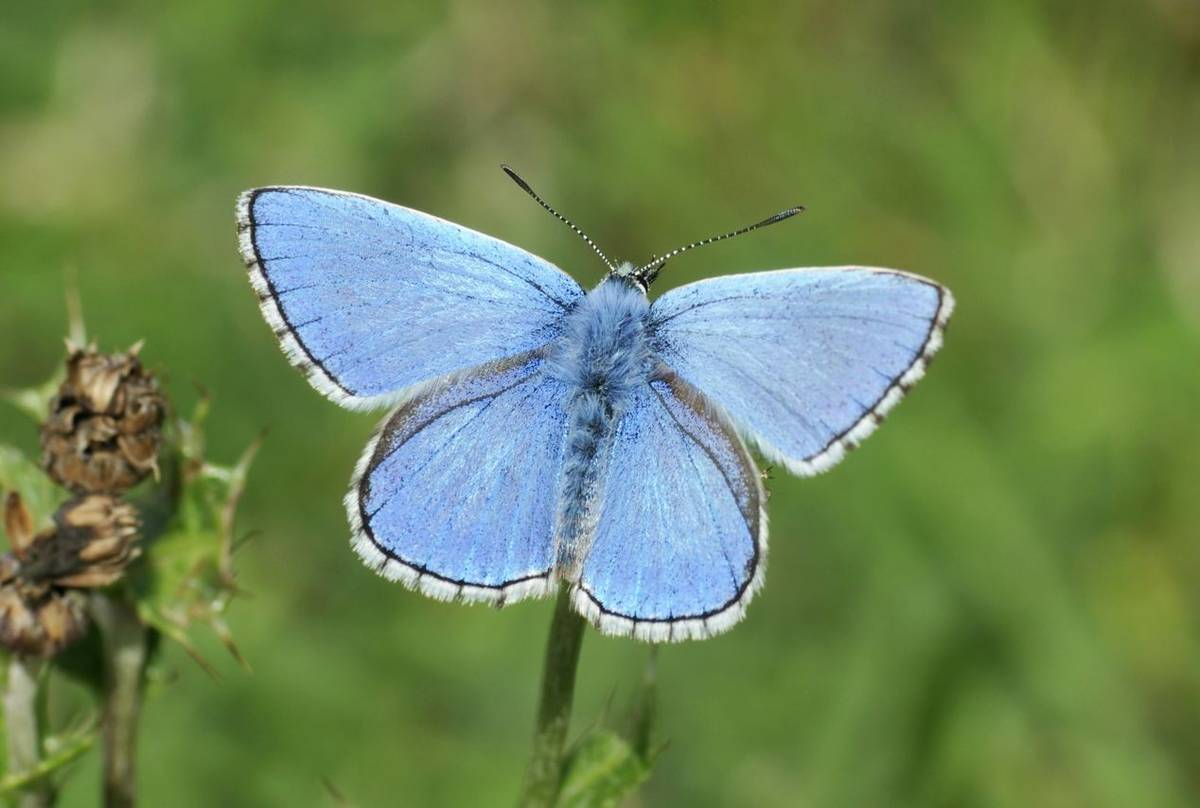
{"x":632,"y":274}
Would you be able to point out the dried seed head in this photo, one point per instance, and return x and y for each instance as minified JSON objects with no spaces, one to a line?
{"x":90,"y":545}
{"x":38,"y":619}
{"x":104,"y":428}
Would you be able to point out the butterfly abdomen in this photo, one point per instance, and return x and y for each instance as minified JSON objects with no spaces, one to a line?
{"x":601,"y":356}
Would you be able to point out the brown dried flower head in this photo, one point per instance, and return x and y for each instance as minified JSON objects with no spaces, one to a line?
{"x":90,"y":545}
{"x":39,"y":619}
{"x":105,"y":424}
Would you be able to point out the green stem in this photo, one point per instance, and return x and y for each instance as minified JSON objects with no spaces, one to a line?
{"x":125,"y":657}
{"x":22,"y":729}
{"x":646,"y":708}
{"x":554,"y":712}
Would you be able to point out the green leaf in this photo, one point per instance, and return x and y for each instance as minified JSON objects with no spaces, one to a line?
{"x":34,"y":401}
{"x":60,"y":751}
{"x":185,"y":577}
{"x":180,"y":584}
{"x":601,"y":770}
{"x":40,"y":495}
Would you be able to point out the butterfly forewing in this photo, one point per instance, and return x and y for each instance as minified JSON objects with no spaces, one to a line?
{"x":370,"y":299}
{"x":805,"y":361}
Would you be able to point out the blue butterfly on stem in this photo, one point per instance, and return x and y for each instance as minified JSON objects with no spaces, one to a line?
{"x":543,"y":436}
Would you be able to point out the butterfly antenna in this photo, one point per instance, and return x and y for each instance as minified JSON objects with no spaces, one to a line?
{"x":651,"y":269}
{"x":515,"y":177}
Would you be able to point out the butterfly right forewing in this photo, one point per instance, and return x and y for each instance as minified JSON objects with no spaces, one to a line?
{"x":806,"y":362}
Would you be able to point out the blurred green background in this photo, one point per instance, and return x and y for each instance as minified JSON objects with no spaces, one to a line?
{"x":993,"y":603}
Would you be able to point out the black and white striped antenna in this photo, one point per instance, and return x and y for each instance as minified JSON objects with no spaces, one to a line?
{"x":515,"y":177}
{"x":649,"y":270}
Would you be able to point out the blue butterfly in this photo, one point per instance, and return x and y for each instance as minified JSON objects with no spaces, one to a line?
{"x":542,"y":434}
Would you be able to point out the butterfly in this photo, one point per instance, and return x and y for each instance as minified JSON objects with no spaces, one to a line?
{"x":543,"y":436}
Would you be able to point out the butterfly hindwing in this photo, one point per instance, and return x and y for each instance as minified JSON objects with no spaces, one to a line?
{"x":680,"y":542}
{"x":370,"y":299}
{"x":805,"y":361}
{"x":455,"y":495}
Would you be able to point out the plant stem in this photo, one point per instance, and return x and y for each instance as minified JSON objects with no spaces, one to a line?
{"x":554,"y":712}
{"x":124,"y":656}
{"x":646,"y":708}
{"x":21,"y":728}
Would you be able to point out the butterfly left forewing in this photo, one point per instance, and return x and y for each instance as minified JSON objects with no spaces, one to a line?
{"x":680,"y":542}
{"x":370,"y":300}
